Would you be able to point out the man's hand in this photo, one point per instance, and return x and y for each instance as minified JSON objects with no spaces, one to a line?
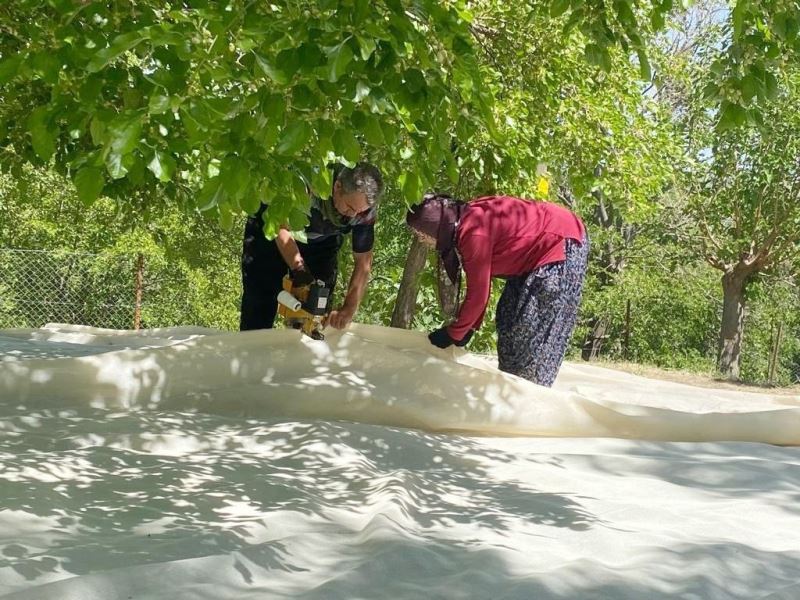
{"x":440,"y":338}
{"x":301,"y":277}
{"x":341,"y":318}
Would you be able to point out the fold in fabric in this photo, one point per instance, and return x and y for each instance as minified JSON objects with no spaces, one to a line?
{"x":369,"y":374}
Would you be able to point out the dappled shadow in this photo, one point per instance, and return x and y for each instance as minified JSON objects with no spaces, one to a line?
{"x":103,"y":491}
{"x":252,"y":465}
{"x":153,"y":503}
{"x":724,"y":469}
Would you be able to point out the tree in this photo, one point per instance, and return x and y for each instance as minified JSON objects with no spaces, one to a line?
{"x":748,"y":209}
{"x":605,"y":143}
{"x":221,"y":105}
{"x":742,"y":178}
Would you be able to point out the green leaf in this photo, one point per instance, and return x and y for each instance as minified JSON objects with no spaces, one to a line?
{"x":136,"y":167}
{"x":771,"y":85}
{"x":212,"y":194}
{"x":390,"y":133}
{"x":122,"y":43}
{"x":159,"y":104}
{"x":124,"y":132}
{"x":309,"y":57}
{"x":358,"y":119}
{"x":300,"y":235}
{"x":274,"y":73}
{"x":731,"y":115}
{"x":710,"y":91}
{"x":410,"y":184}
{"x":738,"y":18}
{"x":592,"y":54}
{"x":274,"y":107}
{"x":9,"y":68}
{"x":89,"y":182}
{"x":118,"y":164}
{"x":779,"y":25}
{"x":235,"y":175}
{"x":625,"y":14}
{"x":294,"y":137}
{"x":346,"y":145}
{"x":657,"y":19}
{"x":362,"y":91}
{"x":46,"y":65}
{"x":131,"y":99}
{"x":297,"y":219}
{"x":325,"y":130}
{"x":605,"y":60}
{"x":165,"y":36}
{"x":162,"y":166}
{"x":322,"y":181}
{"x":372,"y":131}
{"x":250,"y":200}
{"x":90,"y":90}
{"x":367,"y":46}
{"x":43,"y":133}
{"x":644,"y":64}
{"x":751,"y":87}
{"x":225,"y":216}
{"x":338,"y":60}
{"x":558,"y":7}
{"x":97,"y":129}
{"x":452,"y":169}
{"x":303,"y":98}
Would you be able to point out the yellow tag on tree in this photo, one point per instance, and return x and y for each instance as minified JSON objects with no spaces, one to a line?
{"x":542,"y":188}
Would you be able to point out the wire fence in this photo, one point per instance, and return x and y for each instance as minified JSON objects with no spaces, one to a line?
{"x":774,"y":359}
{"x":38,"y":287}
{"x":113,"y":290}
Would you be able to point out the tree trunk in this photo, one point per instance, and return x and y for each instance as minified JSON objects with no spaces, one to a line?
{"x":594,"y":341}
{"x":406,"y":301}
{"x":448,"y":295}
{"x":730,"y":336}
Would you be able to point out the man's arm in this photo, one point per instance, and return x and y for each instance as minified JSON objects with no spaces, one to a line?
{"x":342,"y":317}
{"x":288,"y":249}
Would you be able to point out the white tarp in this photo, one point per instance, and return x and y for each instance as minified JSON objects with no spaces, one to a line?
{"x":190,"y":463}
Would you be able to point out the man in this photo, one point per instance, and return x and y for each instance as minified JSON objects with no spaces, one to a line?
{"x":350,"y":209}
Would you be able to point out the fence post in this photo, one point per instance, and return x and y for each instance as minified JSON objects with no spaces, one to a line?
{"x":627,"y":329}
{"x":773,"y":355}
{"x":139,"y":283}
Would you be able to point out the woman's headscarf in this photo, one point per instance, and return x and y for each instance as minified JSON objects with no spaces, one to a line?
{"x":438,"y":216}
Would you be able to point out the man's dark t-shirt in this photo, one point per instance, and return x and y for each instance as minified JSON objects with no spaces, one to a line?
{"x":263,"y":267}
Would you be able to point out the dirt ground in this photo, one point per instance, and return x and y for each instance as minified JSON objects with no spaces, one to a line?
{"x":696,"y":379}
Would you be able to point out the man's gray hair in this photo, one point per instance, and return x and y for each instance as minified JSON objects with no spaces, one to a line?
{"x":365,"y":178}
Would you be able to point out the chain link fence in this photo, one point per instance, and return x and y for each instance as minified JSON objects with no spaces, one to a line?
{"x":37,"y":287}
{"x":115,"y":290}
{"x":770,"y":353}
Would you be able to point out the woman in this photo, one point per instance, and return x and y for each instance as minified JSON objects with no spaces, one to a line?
{"x":539,"y":248}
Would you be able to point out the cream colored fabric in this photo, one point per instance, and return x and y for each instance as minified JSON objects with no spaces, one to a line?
{"x":190,"y":463}
{"x":377,"y":375}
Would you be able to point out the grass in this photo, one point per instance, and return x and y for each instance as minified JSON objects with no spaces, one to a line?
{"x":699,"y":379}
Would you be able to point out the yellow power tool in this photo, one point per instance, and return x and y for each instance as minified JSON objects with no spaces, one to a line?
{"x":304,"y":307}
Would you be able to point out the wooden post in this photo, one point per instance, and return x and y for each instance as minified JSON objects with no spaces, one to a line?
{"x":139,"y":283}
{"x":773,"y":355}
{"x":627,"y":338}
